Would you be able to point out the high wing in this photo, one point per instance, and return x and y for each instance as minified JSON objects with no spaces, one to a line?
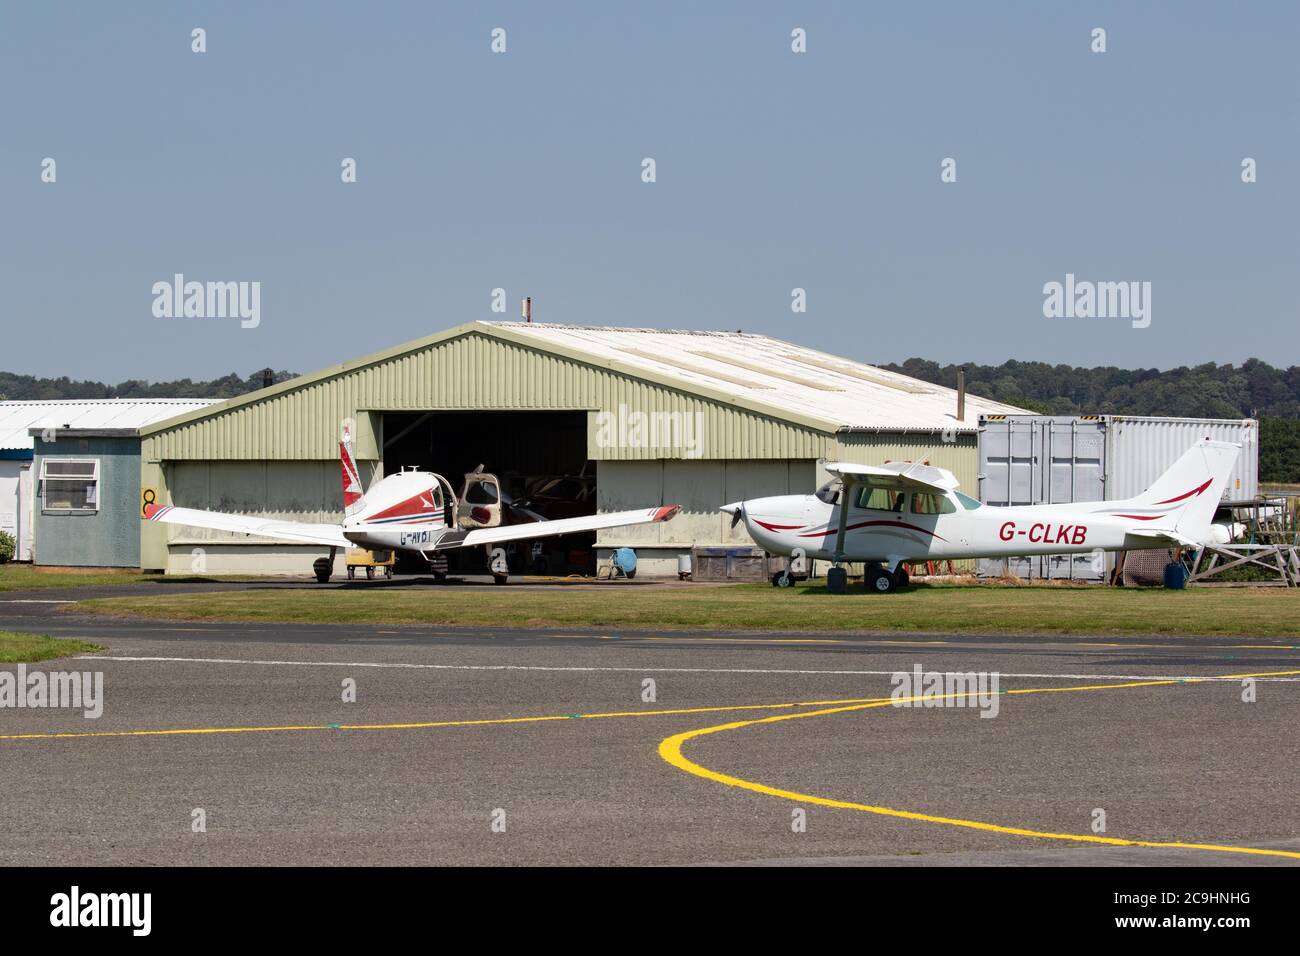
{"x":546,"y":529}
{"x":907,"y":476}
{"x":296,"y":531}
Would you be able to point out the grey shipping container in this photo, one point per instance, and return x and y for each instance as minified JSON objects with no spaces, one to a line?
{"x":1051,"y":459}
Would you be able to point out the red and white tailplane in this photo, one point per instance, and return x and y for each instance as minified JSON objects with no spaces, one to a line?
{"x":353,"y":493}
{"x":1181,"y":503}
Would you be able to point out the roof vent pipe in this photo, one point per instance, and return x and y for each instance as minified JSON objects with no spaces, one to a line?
{"x":961,"y":394}
{"x":527,"y":309}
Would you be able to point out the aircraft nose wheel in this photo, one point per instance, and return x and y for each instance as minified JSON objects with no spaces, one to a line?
{"x":880,"y":581}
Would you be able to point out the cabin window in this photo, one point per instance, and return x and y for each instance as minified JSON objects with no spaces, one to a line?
{"x":932,"y":504}
{"x":69,"y":484}
{"x":967,"y":502}
{"x":481,"y":493}
{"x":881,"y":499}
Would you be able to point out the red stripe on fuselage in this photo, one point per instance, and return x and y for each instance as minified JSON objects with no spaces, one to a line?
{"x":868,"y":524}
{"x":414,"y":507}
{"x":777,"y":527}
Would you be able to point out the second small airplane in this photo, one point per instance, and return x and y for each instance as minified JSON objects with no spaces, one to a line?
{"x":409,"y":511}
{"x":886,"y":515}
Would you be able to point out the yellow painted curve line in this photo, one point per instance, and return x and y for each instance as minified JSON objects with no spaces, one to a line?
{"x":670,"y":749}
{"x":183,"y":731}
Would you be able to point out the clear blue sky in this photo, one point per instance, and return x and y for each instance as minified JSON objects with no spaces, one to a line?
{"x":523,"y":171}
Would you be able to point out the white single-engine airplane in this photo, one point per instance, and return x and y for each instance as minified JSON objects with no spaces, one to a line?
{"x":903,"y":511}
{"x":409,"y":511}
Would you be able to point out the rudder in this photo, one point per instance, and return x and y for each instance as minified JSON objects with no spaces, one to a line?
{"x":353,"y":493}
{"x":1188,"y":493}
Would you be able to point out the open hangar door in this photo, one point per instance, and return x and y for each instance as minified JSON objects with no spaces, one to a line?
{"x":540,"y":458}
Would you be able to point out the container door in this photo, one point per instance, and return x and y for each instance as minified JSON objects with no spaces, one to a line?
{"x":1043,"y":459}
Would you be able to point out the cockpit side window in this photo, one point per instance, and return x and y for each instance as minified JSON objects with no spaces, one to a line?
{"x":830,"y":492}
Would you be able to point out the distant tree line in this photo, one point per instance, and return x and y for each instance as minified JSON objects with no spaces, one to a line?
{"x":15,"y":388}
{"x":1253,"y":389}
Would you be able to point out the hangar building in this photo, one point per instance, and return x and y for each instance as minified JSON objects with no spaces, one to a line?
{"x":646,"y":416}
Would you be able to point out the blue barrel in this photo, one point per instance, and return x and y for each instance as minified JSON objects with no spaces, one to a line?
{"x":1176,"y":575}
{"x":625,"y":560}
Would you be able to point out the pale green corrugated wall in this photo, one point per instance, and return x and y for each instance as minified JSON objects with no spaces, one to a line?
{"x":472,"y":372}
{"x":961,"y":456}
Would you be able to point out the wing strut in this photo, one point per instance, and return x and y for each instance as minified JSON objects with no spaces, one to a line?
{"x":844,"y":520}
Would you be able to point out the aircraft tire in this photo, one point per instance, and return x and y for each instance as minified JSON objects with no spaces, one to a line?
{"x":880,"y":581}
{"x":500,"y":578}
{"x":901,"y":578}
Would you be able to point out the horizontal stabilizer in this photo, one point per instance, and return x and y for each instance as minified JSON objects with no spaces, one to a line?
{"x":1170,"y":534}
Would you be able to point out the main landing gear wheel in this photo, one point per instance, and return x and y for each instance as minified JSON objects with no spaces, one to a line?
{"x":500,"y":578}
{"x":782,"y":579}
{"x":880,"y":581}
{"x":322,"y":568}
{"x":900,"y":577}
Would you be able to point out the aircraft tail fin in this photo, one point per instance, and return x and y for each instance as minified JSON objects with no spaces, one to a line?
{"x":353,"y":493}
{"x":1183,"y":500}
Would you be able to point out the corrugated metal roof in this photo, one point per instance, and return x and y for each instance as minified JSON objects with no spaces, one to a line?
{"x":16,"y":418}
{"x":785,"y":377}
{"x":786,"y":383}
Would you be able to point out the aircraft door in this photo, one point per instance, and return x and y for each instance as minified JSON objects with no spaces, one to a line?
{"x":479,"y":505}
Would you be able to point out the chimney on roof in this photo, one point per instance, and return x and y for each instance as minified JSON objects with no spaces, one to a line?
{"x":268,"y":377}
{"x":527,"y":309}
{"x":961,"y":394}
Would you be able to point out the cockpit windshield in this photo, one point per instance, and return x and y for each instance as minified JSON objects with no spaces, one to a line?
{"x":967,"y":502}
{"x":830,"y":492}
